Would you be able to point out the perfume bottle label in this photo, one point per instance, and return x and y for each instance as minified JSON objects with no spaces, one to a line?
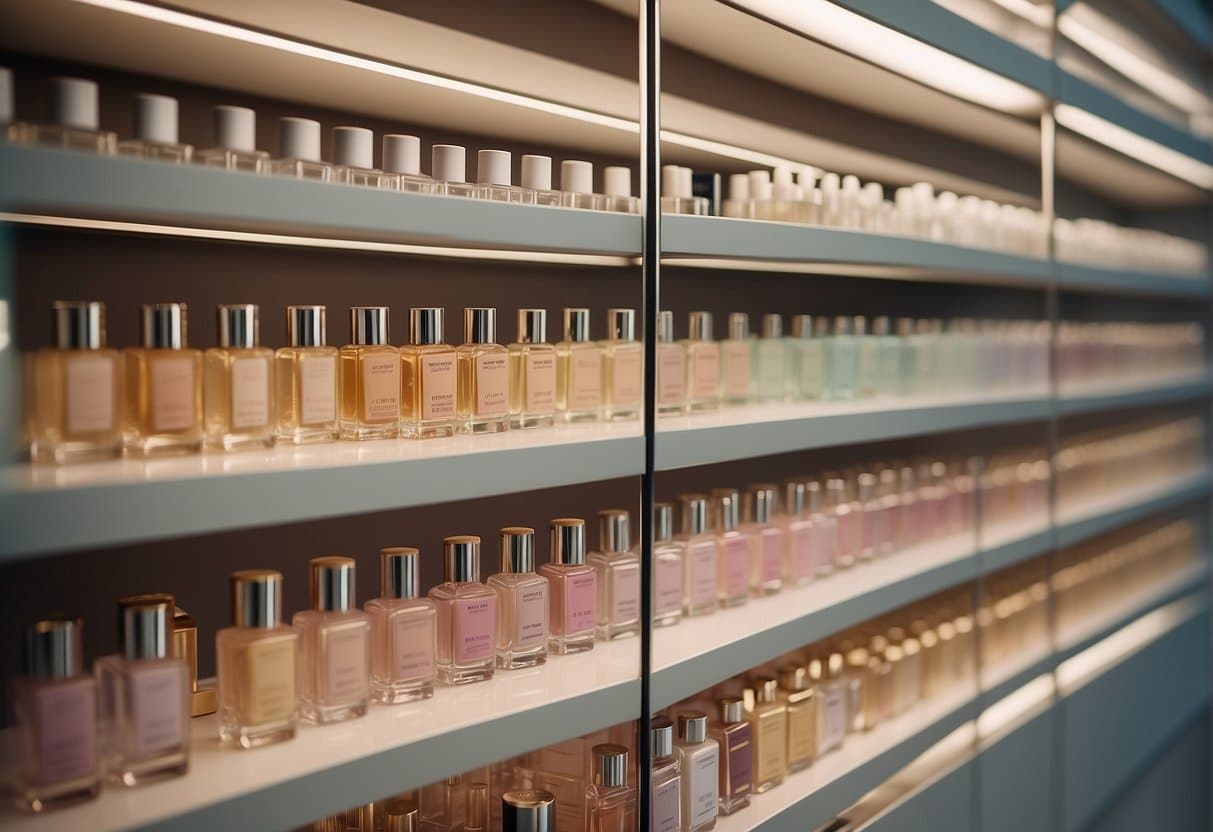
{"x":625,"y":593}
{"x":345,"y":664}
{"x":627,"y":381}
{"x":172,"y":394}
{"x":735,"y":356}
{"x":317,"y":390}
{"x":833,"y":721}
{"x":531,"y":616}
{"x":736,"y":553}
{"x":705,"y":373}
{"x":381,"y":387}
{"x":438,"y":386}
{"x":671,"y":374}
{"x":66,"y":730}
{"x":157,"y":707}
{"x":772,"y":556}
{"x":585,"y":379}
{"x":269,"y":668}
{"x":701,"y":558}
{"x":579,"y":603}
{"x":800,"y":548}
{"x":89,"y":393}
{"x":771,"y":741}
{"x":740,"y":759}
{"x":665,"y":799}
{"x":802,"y":731}
{"x":667,"y":586}
{"x":473,"y":625}
{"x":413,"y":645}
{"x":703,"y":788}
{"x":540,"y":382}
{"x":250,"y":392}
{"x":492,"y":382}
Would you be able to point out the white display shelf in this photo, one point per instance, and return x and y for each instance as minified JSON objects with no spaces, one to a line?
{"x":1137,"y":392}
{"x":50,"y":509}
{"x":763,"y":429}
{"x":1007,"y":544}
{"x":327,"y":769}
{"x":1081,"y":278}
{"x":1077,"y":522}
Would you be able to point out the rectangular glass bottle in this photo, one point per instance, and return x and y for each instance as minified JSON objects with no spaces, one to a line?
{"x":404,"y":631}
{"x":448,"y":164}
{"x":671,"y":367}
{"x":532,"y":360}
{"x":353,"y":155}
{"x":163,"y":386}
{"x":699,"y":759}
{"x":800,"y":698}
{"x":305,"y":375}
{"x":888,"y":362}
{"x":610,"y":803}
{"x":735,"y":736}
{"x":826,"y":676}
{"x":467,"y":615}
{"x":156,"y":132}
{"x":701,"y":570}
{"x":235,"y":142}
{"x":703,"y":365}
{"x":622,"y":367}
{"x":617,"y":191}
{"x":402,"y":159}
{"x":825,"y":530}
{"x":668,"y":566}
{"x":334,"y":646}
{"x":806,"y":360}
{"x":846,"y":524}
{"x":766,"y":541}
{"x":800,"y":556}
{"x":736,"y":361}
{"x":239,"y":386}
{"x":867,"y":346}
{"x":770,"y":361}
{"x":522,"y":602}
{"x":873,"y":519}
{"x":573,"y":589}
{"x":843,"y":361}
{"x":74,"y":120}
{"x":537,"y":178}
{"x":484,"y":375}
{"x":665,"y":802}
{"x":429,"y":383}
{"x":370,"y":378}
{"x":733,"y":549}
{"x":618,"y":575}
{"x":769,"y":718}
{"x":299,"y":145}
{"x":75,"y":389}
{"x":494,"y":179}
{"x":579,"y":370}
{"x":577,"y":185}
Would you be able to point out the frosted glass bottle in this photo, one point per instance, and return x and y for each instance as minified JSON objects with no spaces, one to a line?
{"x":622,"y":367}
{"x":429,"y":378}
{"x":733,"y":549}
{"x":770,"y":361}
{"x":306,"y":378}
{"x":404,"y":631}
{"x":334,"y":646}
{"x":156,"y":132}
{"x":618,"y":574}
{"x":736,"y":361}
{"x":668,"y":568}
{"x":573,"y":593}
{"x":467,"y":615}
{"x":532,"y":399}
{"x":703,"y":365}
{"x":522,"y":602}
{"x":579,"y":370}
{"x":239,"y":387}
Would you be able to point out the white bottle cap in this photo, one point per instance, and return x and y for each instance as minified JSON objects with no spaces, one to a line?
{"x":757,"y":177}
{"x":235,"y":128}
{"x":74,"y":103}
{"x":685,"y":180}
{"x":493,"y":167}
{"x":850,"y":183}
{"x":761,"y":190}
{"x":354,"y":147}
{"x":874,"y":191}
{"x":739,"y":186}
{"x":829,"y":182}
{"x":669,"y":180}
{"x":782,"y":175}
{"x":617,"y":181}
{"x":156,"y":118}
{"x":537,"y":172}
{"x":576,"y":177}
{"x":924,"y":191}
{"x":6,"y":95}
{"x":402,"y":154}
{"x":806,"y":178}
{"x":448,"y":163}
{"x":299,"y":138}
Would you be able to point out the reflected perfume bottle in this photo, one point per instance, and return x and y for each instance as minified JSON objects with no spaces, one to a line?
{"x":532,"y":373}
{"x":370,"y":378}
{"x":617,"y":191}
{"x":843,"y":360}
{"x":671,"y":367}
{"x":537,"y":178}
{"x":235,"y":142}
{"x":494,"y":180}
{"x":735,"y":361}
{"x":429,"y":384}
{"x":735,"y":736}
{"x":799,"y":697}
{"x":703,"y":365}
{"x":769,"y":718}
{"x":610,"y":803}
{"x":522,"y":602}
{"x":163,"y":386}
{"x":239,"y":387}
{"x":618,"y":568}
{"x":577,"y":184}
{"x":699,"y":759}
{"x":404,"y":631}
{"x":766,"y":540}
{"x":74,"y":120}
{"x":800,"y":557}
{"x":573,"y":589}
{"x":668,"y":559}
{"x":75,"y":389}
{"x":770,"y":361}
{"x":484,"y":375}
{"x":402,"y":160}
{"x":334,"y":646}
{"x":622,"y":367}
{"x":354,"y":159}
{"x":156,"y":132}
{"x":806,"y":360}
{"x":299,"y":144}
{"x":733,"y":549}
{"x":305,"y":374}
{"x":665,"y":803}
{"x":448,"y":163}
{"x":579,"y":370}
{"x":467,"y":615}
{"x":700,"y":564}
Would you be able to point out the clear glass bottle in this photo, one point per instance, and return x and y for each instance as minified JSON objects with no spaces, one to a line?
{"x":806,"y":361}
{"x":618,"y":568}
{"x":699,"y":760}
{"x":370,"y":378}
{"x":826,"y":675}
{"x":163,"y":386}
{"x":825,"y":530}
{"x":890,"y":501}
{"x":733,"y":549}
{"x":334,"y":646}
{"x":610,"y":803}
{"x":354,"y":159}
{"x":239,"y":387}
{"x":703,"y":364}
{"x":799,"y":697}
{"x":404,"y":631}
{"x":144,"y":696}
{"x":844,"y":361}
{"x":665,"y":790}
{"x":577,"y":185}
{"x":402,"y":160}
{"x":448,"y":163}
{"x":908,"y":383}
{"x":867,"y":349}
{"x":299,"y":144}
{"x":494,"y":179}
{"x":305,"y":375}
{"x":573,"y":589}
{"x":668,"y":568}
{"x":738,"y":203}
{"x":765,"y":539}
{"x":54,"y":720}
{"x":873,"y":519}
{"x":522,"y":602}
{"x":74,"y":120}
{"x":255,"y":664}
{"x":484,"y":375}
{"x":671,"y":367}
{"x":617,"y":191}
{"x":537,"y":178}
{"x":75,"y":389}
{"x":701,"y":569}
{"x":846,"y":524}
{"x":235,"y":142}
{"x":579,"y":370}
{"x":771,"y":361}
{"x":861,"y":711}
{"x":156,"y":132}
{"x":888,"y":361}
{"x":735,"y":736}
{"x":532,"y":373}
{"x":467,"y":615}
{"x":799,"y":552}
{"x":735,"y":361}
{"x":622,"y":367}
{"x":429,"y":384}
{"x":769,"y":717}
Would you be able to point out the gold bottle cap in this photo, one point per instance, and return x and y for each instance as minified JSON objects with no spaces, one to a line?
{"x":402,"y":816}
{"x":739,"y":326}
{"x":614,"y":534}
{"x":256,"y":598}
{"x":425,"y":325}
{"x":238,"y":325}
{"x":185,"y":647}
{"x":760,"y":503}
{"x":568,"y":540}
{"x":663,"y":522}
{"x":732,"y":710}
{"x":726,"y":509}
{"x":477,"y":807}
{"x":772,"y":326}
{"x":144,"y":625}
{"x":369,"y":325}
{"x":54,"y":649}
{"x":331,"y":583}
{"x":621,"y":324}
{"x":693,"y":726}
{"x":576,"y":324}
{"x":610,"y":764}
{"x":163,"y":326}
{"x":699,"y":326}
{"x":399,"y":572}
{"x":480,"y":325}
{"x":694,"y":513}
{"x":462,"y":557}
{"x":794,"y":677}
{"x":528,"y":810}
{"x":665,"y":327}
{"x":306,"y":326}
{"x":79,"y":325}
{"x":532,"y":326}
{"x":517,"y":549}
{"x":766,"y":688}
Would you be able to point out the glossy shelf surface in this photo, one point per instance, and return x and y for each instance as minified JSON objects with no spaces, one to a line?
{"x":1136,"y":392}
{"x":1083,"y":278}
{"x":1077,"y":521}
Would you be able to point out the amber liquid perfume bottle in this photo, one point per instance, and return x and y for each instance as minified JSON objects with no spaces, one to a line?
{"x":735,"y":736}
{"x":235,"y":142}
{"x":74,"y":120}
{"x":699,"y":757}
{"x":703,"y":365}
{"x":239,"y":388}
{"x":75,"y":389}
{"x":671,"y":367}
{"x":429,"y":378}
{"x":354,"y":155}
{"x":484,"y":375}
{"x":622,"y":366}
{"x":532,"y":399}
{"x":766,"y":541}
{"x":618,"y":568}
{"x":522,"y":602}
{"x":404,"y":631}
{"x":54,"y":720}
{"x":578,"y":370}
{"x":163,"y":386}
{"x":334,"y":646}
{"x":305,"y":375}
{"x":144,"y":696}
{"x":798,"y":695}
{"x":733,"y":549}
{"x":573,"y":589}
{"x":669,"y":556}
{"x":402,"y":159}
{"x":700,"y":563}
{"x":467,"y":616}
{"x":370,"y":378}
{"x":299,"y":143}
{"x":736,"y":360}
{"x":665,"y":804}
{"x":156,"y":132}
{"x":255,"y":660}
{"x":770,"y":720}
{"x":610,"y":803}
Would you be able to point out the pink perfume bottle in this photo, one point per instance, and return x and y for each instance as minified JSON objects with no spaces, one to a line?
{"x":404,"y":631}
{"x":873,"y":519}
{"x":334,"y":646}
{"x":669,"y":556}
{"x":891,"y":500}
{"x":846,"y":519}
{"x":467,"y":616}
{"x":665,"y":805}
{"x":522,"y":602}
{"x":825,"y":530}
{"x":610,"y":803}
{"x":799,"y":558}
{"x":909,"y":529}
{"x":766,"y":541}
{"x":574,"y":588}
{"x":700,"y":567}
{"x":618,"y":568}
{"x":733,"y":549}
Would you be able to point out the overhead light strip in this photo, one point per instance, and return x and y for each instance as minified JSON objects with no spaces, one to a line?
{"x":1135,"y":146}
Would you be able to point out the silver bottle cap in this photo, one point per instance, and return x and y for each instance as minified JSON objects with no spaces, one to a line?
{"x":145,"y":625}
{"x":517,"y":549}
{"x":859,"y":325}
{"x":693,"y":726}
{"x":842,"y":325}
{"x":665,"y":327}
{"x":425,"y":325}
{"x":576,"y":324}
{"x":739,"y":326}
{"x":610,"y":764}
{"x":795,"y":497}
{"x":532,"y":326}
{"x":794,"y":677}
{"x":760,"y":503}
{"x":663,"y":521}
{"x":402,"y":816}
{"x":480,"y":325}
{"x":79,"y":325}
{"x":163,"y":326}
{"x":880,"y":325}
{"x":568,"y":540}
{"x":726,"y":509}
{"x":661,"y":738}
{"x":815,"y":496}
{"x":238,"y":325}
{"x":614,"y":532}
{"x":462,"y":556}
{"x":802,"y":326}
{"x":699,"y":326}
{"x":528,"y":810}
{"x":256,"y":598}
{"x":400,"y":572}
{"x":54,"y":649}
{"x":766,"y":688}
{"x":772,"y":326}
{"x":621,"y":324}
{"x":306,"y":326}
{"x":694,"y":513}
{"x":732,"y":710}
{"x":369,"y":325}
{"x":332,"y":583}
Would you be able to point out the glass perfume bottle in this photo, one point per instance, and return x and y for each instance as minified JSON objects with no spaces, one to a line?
{"x":610,"y":803}
{"x":156,"y":131}
{"x":618,"y":568}
{"x":75,"y":389}
{"x":467,"y":615}
{"x":305,"y":375}
{"x":846,"y":524}
{"x":735,"y":361}
{"x":163,"y":385}
{"x":735,"y":736}
{"x":354,"y":159}
{"x":579,"y":370}
{"x":825,"y":529}
{"x":370,"y":378}
{"x":448,"y":163}
{"x":522,"y":602}
{"x":799,"y":697}
{"x":843,"y":361}
{"x":401,"y":815}
{"x":769,"y":718}
{"x":699,"y":759}
{"x":826,"y":676}
{"x":622,"y":367}
{"x":867,"y":351}
{"x":668,"y":559}
{"x":888,"y":357}
{"x":334,"y":646}
{"x":74,"y":120}
{"x":299,"y":144}
{"x":703,"y":365}
{"x":671,"y":367}
{"x":532,"y":373}
{"x":577,"y":184}
{"x":429,"y":383}
{"x":54,"y":720}
{"x":494,"y":180}
{"x":733,"y":549}
{"x":404,"y":631}
{"x":235,"y":142}
{"x":484,"y":375}
{"x":617,"y":191}
{"x":402,"y":160}
{"x":239,"y":387}
{"x":799,"y":555}
{"x":537,"y":178}
{"x":665,"y":802}
{"x":873,"y":521}
{"x":701,"y":560}
{"x":144,"y":696}
{"x":766,"y":541}
{"x":770,"y":361}
{"x":255,"y":664}
{"x":573,"y":589}
{"x":806,"y":360}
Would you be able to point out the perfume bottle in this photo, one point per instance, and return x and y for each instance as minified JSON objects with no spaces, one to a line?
{"x":404,"y":631}
{"x":448,"y":163}
{"x":702,"y":554}
{"x":610,"y":803}
{"x":55,"y":719}
{"x":665,"y":801}
{"x":163,"y":385}
{"x":844,"y":361}
{"x":235,"y":142}
{"x":888,"y":357}
{"x":703,"y":365}
{"x":671,"y":367}
{"x":185,"y":648}
{"x":573,"y":589}
{"x":770,"y":361}
{"x":826,"y":676}
{"x":890,"y":500}
{"x":577,"y":184}
{"x":522,"y":602}
{"x":579,"y":370}
{"x":799,"y":697}
{"x":765,"y":539}
{"x":825,"y":530}
{"x":873,"y":519}
{"x":334,"y":646}
{"x":537,"y":178}
{"x":401,"y":815}
{"x":867,"y":361}
{"x":354,"y":158}
{"x":484,"y":375}
{"x":528,"y":809}
{"x":144,"y":696}
{"x":428,"y":378}
{"x":617,"y":191}
{"x":735,"y":361}
{"x":156,"y":131}
{"x":800,"y":557}
{"x":493,"y":179}
{"x":622,"y":367}
{"x":74,"y":120}
{"x":402,"y":161}
{"x":733,"y":549}
{"x":769,"y":718}
{"x":255,"y":664}
{"x":668,"y":559}
{"x":299,"y":144}
{"x":239,"y":388}
{"x":618,"y":568}
{"x":806,"y":360}
{"x":532,"y":373}
{"x":699,"y":759}
{"x":305,"y":374}
{"x":370,"y":378}
{"x":467,"y":615}
{"x":846,"y":524}
{"x":75,"y":389}
{"x":735,"y":736}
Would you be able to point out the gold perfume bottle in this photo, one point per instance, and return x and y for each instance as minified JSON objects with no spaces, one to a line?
{"x":532,"y":372}
{"x":305,"y":373}
{"x":622,"y":367}
{"x":484,"y":375}
{"x":428,"y":395}
{"x":770,"y":720}
{"x":239,"y":388}
{"x":578,"y":370}
{"x":163,"y":386}
{"x":370,"y":378}
{"x":75,"y":389}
